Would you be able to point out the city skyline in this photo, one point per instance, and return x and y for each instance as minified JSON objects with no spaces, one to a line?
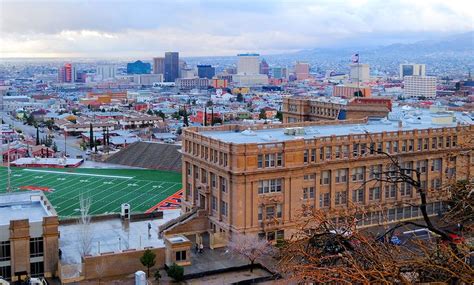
{"x":204,"y":28}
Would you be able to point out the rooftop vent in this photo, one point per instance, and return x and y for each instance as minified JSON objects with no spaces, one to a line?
{"x":249,"y":132}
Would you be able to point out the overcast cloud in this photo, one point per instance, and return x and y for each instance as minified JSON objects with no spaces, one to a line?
{"x":202,"y":28}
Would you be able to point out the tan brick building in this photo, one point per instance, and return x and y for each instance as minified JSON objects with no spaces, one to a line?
{"x":256,"y":180}
{"x":300,"y":109}
{"x":28,"y":236}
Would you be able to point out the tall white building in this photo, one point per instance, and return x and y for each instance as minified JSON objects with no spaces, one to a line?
{"x":106,"y":71}
{"x":412,"y":69}
{"x":248,"y":63}
{"x":360,"y":72}
{"x":420,"y":86}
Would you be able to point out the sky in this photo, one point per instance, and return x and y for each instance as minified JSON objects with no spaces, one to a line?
{"x":138,"y":28}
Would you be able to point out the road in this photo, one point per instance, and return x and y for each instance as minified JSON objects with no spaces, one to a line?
{"x":72,"y":149}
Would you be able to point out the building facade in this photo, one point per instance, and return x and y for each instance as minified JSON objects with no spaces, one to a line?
{"x":420,"y":86}
{"x":302,"y":109}
{"x":171,"y":66}
{"x":263,"y":180}
{"x":350,"y":91}
{"x":106,"y":71}
{"x":67,"y":73}
{"x":302,"y":70}
{"x":360,"y":72}
{"x":138,"y":67}
{"x":248,"y":64}
{"x":28,"y":236}
{"x":206,"y":71}
{"x":159,"y":65}
{"x":412,"y":69}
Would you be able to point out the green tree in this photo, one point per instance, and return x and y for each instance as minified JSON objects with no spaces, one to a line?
{"x":149,"y":112}
{"x":358,"y":94}
{"x":91,"y":136}
{"x":262,"y":114}
{"x":30,"y":120}
{"x":55,"y":147}
{"x":176,"y":272}
{"x":157,"y":275}
{"x":148,"y":260}
{"x":37,"y":136}
{"x":240,"y":97}
{"x":279,"y":116}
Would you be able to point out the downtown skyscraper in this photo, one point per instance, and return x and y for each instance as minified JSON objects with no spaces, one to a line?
{"x":171,"y":66}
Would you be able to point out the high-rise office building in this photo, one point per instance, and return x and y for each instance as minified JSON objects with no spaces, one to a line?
{"x":264,"y":68}
{"x":277,"y":72}
{"x":420,"y":86}
{"x":171,"y":66}
{"x":412,"y":69}
{"x":360,"y":72}
{"x":206,"y":71}
{"x":138,"y":67}
{"x":248,"y":63}
{"x":159,"y":65}
{"x":302,"y":70}
{"x":106,"y":71}
{"x":67,"y":73}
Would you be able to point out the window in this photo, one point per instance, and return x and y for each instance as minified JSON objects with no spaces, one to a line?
{"x":321,"y":153}
{"x":448,"y":141}
{"x":308,"y":177}
{"x":213,"y":180}
{"x":305,"y":157}
{"x":5,"y":253}
{"x":324,"y":200}
{"x":436,"y":184}
{"x":203,"y":176}
{"x":395,"y":146}
{"x":36,"y":269}
{"x":426,"y":142}
{"x":455,"y":140}
{"x":337,"y":152}
{"x":181,"y":255}
{"x":308,"y":192}
{"x":355,"y":149}
{"x":328,"y":152}
{"x":214,"y":203}
{"x":374,"y":193}
{"x":313,"y":155}
{"x":226,"y":161}
{"x":341,"y":175}
{"x":188,"y":168}
{"x":345,"y":151}
{"x":434,"y":143}
{"x":363,"y":149}
{"x":390,"y":191}
{"x":436,"y":165}
{"x":440,"y":142}
{"x":260,"y":161}
{"x":279,"y":211}
{"x":224,"y":208}
{"x":279,"y":159}
{"x":223,"y":183}
{"x":405,"y":189}
{"x":269,"y":160}
{"x":260,"y":213}
{"x":341,"y":198}
{"x":196,"y":173}
{"x":375,"y":171}
{"x":36,"y":247}
{"x":269,"y":212}
{"x":404,"y":146}
{"x":280,"y":234}
{"x":411,"y":144}
{"x":188,"y":189}
{"x":388,"y":146}
{"x":421,"y":166}
{"x":6,"y":272}
{"x":358,"y":196}
{"x":419,"y":144}
{"x":269,"y":186}
{"x":324,"y":179}
{"x":358,"y":174}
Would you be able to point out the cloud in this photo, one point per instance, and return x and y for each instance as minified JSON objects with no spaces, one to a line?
{"x":210,"y":27}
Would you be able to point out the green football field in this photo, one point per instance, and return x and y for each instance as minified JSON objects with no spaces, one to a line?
{"x":107,"y":188}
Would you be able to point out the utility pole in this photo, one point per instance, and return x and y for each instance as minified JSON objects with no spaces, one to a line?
{"x":65,"y":145}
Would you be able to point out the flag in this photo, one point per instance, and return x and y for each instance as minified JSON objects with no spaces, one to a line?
{"x":355,"y":58}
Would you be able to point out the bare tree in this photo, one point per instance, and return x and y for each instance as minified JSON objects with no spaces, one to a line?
{"x":85,"y":231}
{"x":250,"y":246}
{"x":327,"y":252}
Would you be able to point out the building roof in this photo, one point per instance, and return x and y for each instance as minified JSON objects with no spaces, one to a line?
{"x":21,"y":205}
{"x":411,"y":119}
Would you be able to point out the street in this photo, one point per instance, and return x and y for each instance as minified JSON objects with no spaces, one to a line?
{"x":71,"y":146}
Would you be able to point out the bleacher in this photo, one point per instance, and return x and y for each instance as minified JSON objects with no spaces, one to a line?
{"x":149,"y":155}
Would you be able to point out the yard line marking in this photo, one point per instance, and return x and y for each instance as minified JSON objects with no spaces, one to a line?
{"x":76,"y":173}
{"x":157,"y":194}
